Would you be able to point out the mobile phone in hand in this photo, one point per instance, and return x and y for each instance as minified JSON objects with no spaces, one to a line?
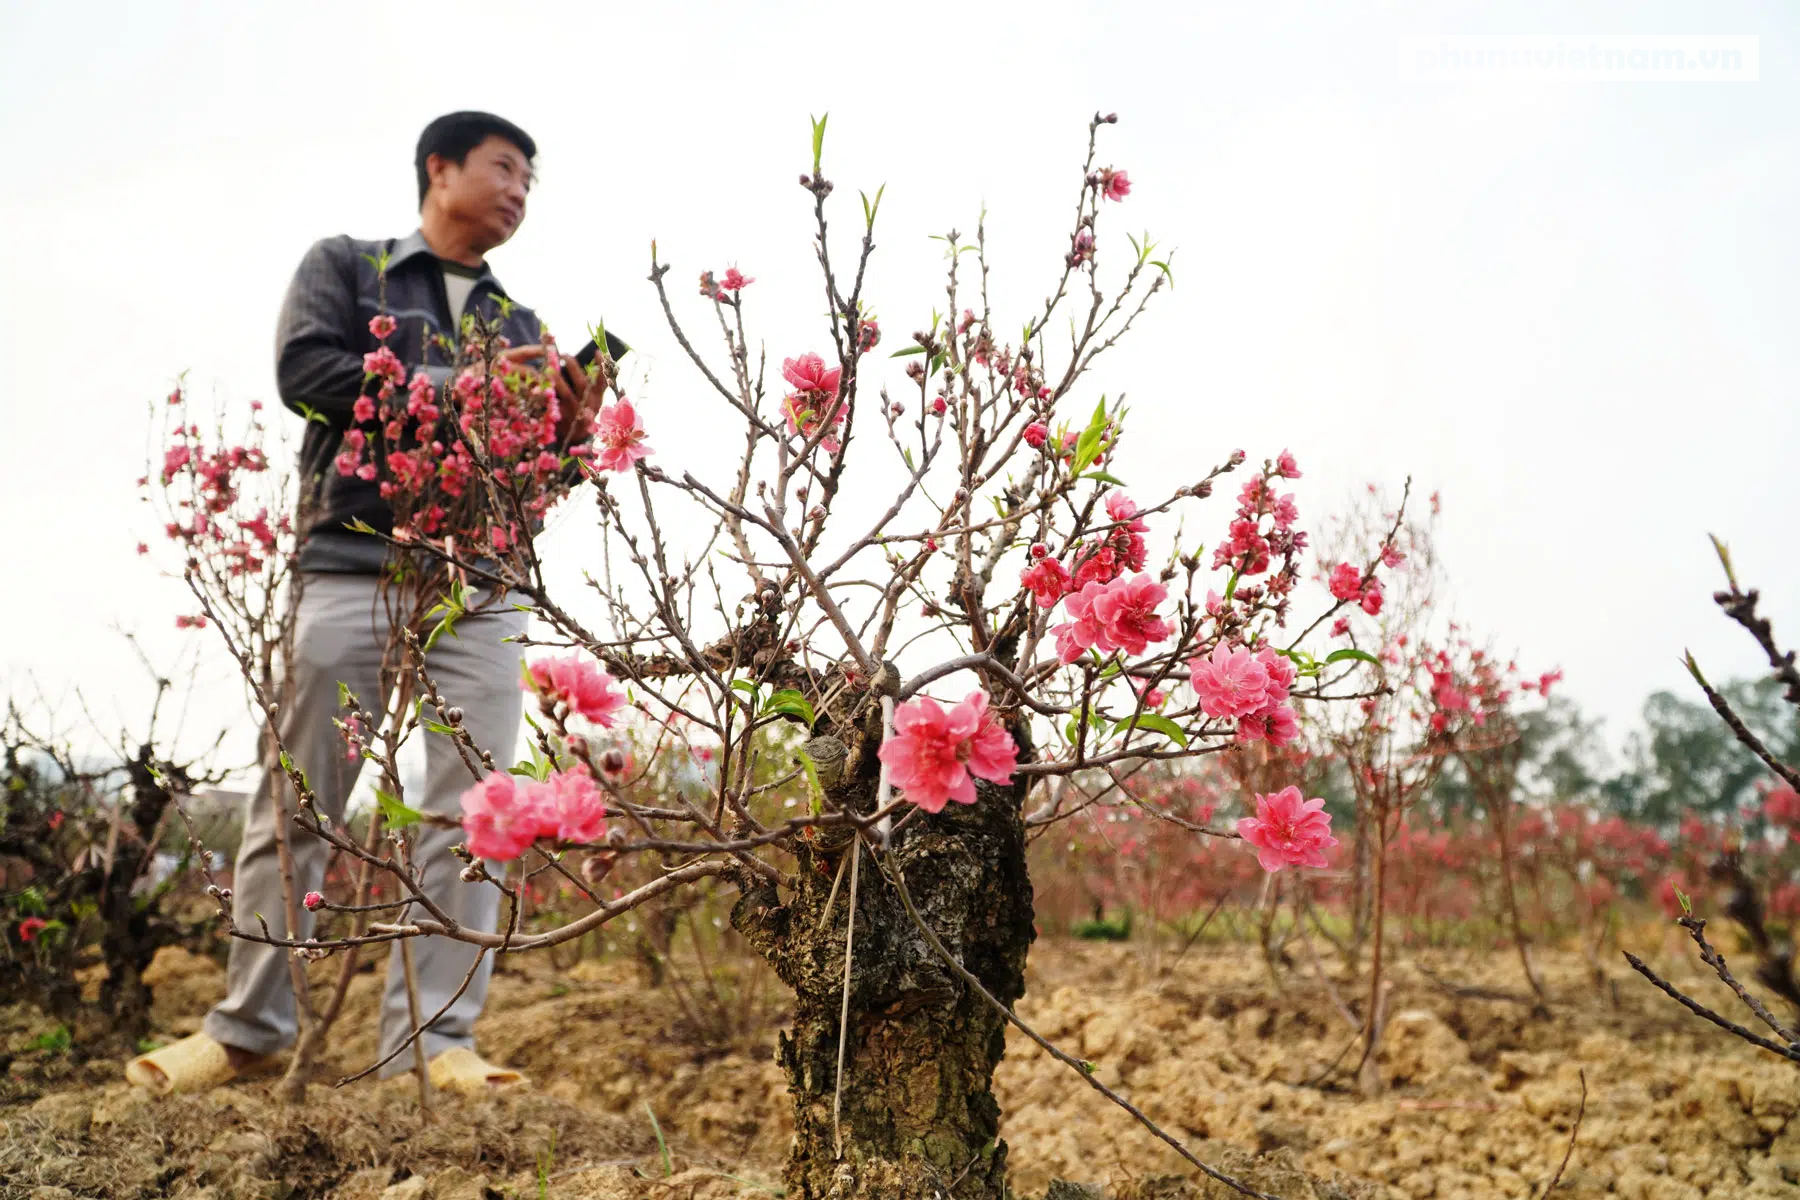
{"x":615,"y":349}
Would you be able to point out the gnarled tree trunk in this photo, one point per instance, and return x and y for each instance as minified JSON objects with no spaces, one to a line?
{"x":917,"y":1115}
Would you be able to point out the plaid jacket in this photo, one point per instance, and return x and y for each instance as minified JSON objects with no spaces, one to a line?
{"x":320,"y":341}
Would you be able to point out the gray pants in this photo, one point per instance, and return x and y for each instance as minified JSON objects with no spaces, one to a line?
{"x":340,"y":637}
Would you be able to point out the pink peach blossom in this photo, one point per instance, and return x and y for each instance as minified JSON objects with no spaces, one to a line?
{"x":571,"y":808}
{"x":581,"y":684}
{"x":1277,"y":725}
{"x":1048,"y":581}
{"x":500,"y":817}
{"x":934,"y":754}
{"x":1124,"y":509}
{"x":1288,"y":831}
{"x":1230,"y":683}
{"x":1126,"y":610}
{"x":808,"y":373}
{"x":1371,"y":597}
{"x":1083,"y":631}
{"x":619,"y":433}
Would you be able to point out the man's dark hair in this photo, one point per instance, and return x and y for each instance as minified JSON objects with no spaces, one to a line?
{"x":455,"y":134}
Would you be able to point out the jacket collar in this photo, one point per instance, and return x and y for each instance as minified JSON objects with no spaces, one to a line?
{"x":413,"y":245}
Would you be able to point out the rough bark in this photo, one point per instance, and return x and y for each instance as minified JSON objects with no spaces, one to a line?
{"x":918,"y":1116}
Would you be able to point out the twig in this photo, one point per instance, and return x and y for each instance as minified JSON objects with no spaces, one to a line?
{"x":1700,"y":1010}
{"x":420,"y":1071}
{"x":1742,"y":731}
{"x":837,"y":1098}
{"x":1580,"y":1111}
{"x":1696,"y":928}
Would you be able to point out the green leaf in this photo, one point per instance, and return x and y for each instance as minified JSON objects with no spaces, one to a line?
{"x":869,"y":210}
{"x":751,"y":692}
{"x":1073,"y":729}
{"x":287,"y":764}
{"x":312,"y":414}
{"x":1693,"y":668}
{"x":358,"y":525}
{"x":1167,"y":273}
{"x":937,"y":360}
{"x":907,"y":351}
{"x":394,"y":813}
{"x":452,"y":608}
{"x":1348,"y":653}
{"x":1103,"y":477}
{"x":1231,"y":585}
{"x":437,"y":727}
{"x":1088,"y":445}
{"x":815,"y":789}
{"x":818,"y":142}
{"x":343,"y":694}
{"x":536,"y":767}
{"x":1304,"y":663}
{"x":791,"y":703}
{"x":1156,"y":722}
{"x":1687,"y":910}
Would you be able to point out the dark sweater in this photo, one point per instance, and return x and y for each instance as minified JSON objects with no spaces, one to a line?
{"x":320,"y":341}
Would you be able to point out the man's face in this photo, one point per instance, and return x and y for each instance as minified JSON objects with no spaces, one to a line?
{"x":486,"y":193}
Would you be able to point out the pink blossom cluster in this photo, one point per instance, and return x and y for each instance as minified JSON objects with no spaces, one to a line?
{"x":203,"y":484}
{"x":733,"y":280}
{"x":1120,"y":615}
{"x":935,"y":754}
{"x":1288,"y":831}
{"x":814,"y":403}
{"x":504,"y":814}
{"x":580,"y":684}
{"x":1472,"y":683}
{"x":1121,"y":549}
{"x":1250,"y":687}
{"x":1349,"y":583}
{"x":1543,"y":683}
{"x":1260,"y":533}
{"x":428,"y":448}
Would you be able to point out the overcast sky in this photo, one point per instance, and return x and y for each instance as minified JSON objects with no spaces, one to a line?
{"x":1571,"y":308}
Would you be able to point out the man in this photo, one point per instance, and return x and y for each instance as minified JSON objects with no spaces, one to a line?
{"x":474,"y":174}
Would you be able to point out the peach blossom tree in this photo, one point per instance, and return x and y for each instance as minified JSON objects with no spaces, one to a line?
{"x":922,"y":607}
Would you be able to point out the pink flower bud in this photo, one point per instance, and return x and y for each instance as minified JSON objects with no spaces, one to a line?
{"x":314,"y":902}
